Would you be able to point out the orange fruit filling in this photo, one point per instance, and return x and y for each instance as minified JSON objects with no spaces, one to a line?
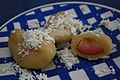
{"x":89,"y":46}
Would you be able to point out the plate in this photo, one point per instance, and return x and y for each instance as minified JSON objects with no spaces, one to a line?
{"x":89,"y":14}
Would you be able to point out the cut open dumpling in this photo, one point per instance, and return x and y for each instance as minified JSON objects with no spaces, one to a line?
{"x":91,"y":45}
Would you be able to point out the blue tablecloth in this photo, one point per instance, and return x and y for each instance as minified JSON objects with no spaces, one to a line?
{"x":11,"y":8}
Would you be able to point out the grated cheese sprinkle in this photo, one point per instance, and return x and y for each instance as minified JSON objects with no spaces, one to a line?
{"x":67,"y":57}
{"x":64,"y":21}
{"x":40,"y":76}
{"x":25,"y":74}
{"x":34,"y":38}
{"x":22,"y":51}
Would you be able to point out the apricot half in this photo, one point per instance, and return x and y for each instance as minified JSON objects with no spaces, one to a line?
{"x":91,"y":45}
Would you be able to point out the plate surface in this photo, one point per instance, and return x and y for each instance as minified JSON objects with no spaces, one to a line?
{"x":89,"y":14}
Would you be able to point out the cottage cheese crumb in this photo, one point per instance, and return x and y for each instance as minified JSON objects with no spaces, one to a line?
{"x":25,"y":74}
{"x":64,"y":21}
{"x":34,"y":38}
{"x":41,"y":76}
{"x":67,"y":57}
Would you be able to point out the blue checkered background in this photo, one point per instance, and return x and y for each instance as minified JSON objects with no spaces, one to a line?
{"x":89,"y":14}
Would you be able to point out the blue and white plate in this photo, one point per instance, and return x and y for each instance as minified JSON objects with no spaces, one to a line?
{"x":89,"y":14}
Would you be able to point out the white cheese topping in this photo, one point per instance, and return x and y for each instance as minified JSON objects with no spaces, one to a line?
{"x":25,"y":74}
{"x":67,"y":57}
{"x":63,"y":21}
{"x":34,"y":38}
{"x":41,"y":76}
{"x":22,"y":51}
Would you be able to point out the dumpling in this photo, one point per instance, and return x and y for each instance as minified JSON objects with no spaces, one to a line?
{"x":91,"y":45}
{"x":32,"y":49}
{"x":62,"y":27}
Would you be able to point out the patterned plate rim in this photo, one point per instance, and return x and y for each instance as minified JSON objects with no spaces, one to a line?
{"x":59,"y":3}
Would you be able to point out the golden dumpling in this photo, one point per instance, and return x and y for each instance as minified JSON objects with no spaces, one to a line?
{"x":91,"y":45}
{"x":62,"y":27}
{"x":61,"y":36}
{"x":27,"y":52}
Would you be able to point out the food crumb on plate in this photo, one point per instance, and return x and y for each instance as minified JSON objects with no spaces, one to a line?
{"x":67,"y":57}
{"x":111,"y":25}
{"x":25,"y":74}
{"x":104,"y":22}
{"x":101,"y":72}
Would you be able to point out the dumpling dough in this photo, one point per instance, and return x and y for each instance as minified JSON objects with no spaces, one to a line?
{"x":91,"y":45}
{"x":30,"y":57}
{"x":62,"y":27}
{"x":61,"y":36}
